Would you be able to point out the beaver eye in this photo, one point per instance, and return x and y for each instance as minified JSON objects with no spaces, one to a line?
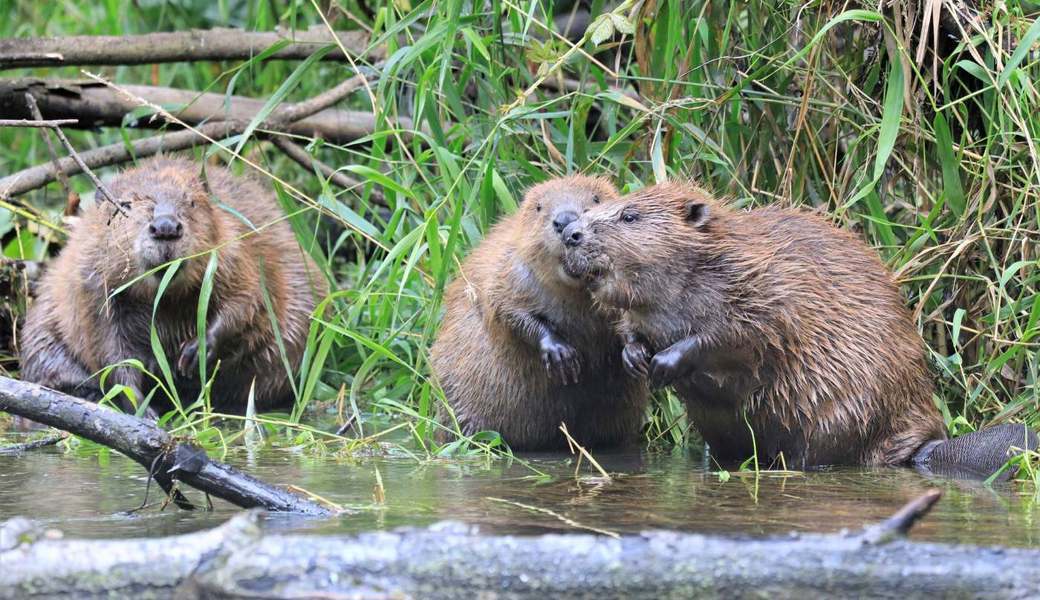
{"x":629,"y":216}
{"x":538,"y":208}
{"x":595,"y":198}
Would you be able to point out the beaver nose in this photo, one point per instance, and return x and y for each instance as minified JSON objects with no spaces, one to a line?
{"x":165,"y":227}
{"x":573,"y":235}
{"x":564,"y":219}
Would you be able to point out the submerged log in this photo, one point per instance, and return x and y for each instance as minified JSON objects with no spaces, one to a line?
{"x":165,"y":457}
{"x":451,"y":560}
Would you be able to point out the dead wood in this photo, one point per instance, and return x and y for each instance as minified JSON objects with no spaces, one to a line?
{"x":452,"y":560}
{"x":97,"y":105}
{"x":180,"y":46}
{"x":166,"y":458}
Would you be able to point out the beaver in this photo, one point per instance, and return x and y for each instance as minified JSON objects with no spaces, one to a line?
{"x":96,"y":304}
{"x":520,"y":348}
{"x":782,"y":333}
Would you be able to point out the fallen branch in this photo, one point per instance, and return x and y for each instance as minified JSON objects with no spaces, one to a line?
{"x":27,"y":123}
{"x":194,"y":45}
{"x":102,"y":189}
{"x":305,"y":160}
{"x":36,"y":177}
{"x":148,"y":445}
{"x":96,"y":105}
{"x":71,"y":198}
{"x":33,"y":445}
{"x":113,"y":154}
{"x":450,"y":560}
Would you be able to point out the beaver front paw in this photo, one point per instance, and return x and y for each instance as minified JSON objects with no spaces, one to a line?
{"x":189,"y":358}
{"x":666,"y":367}
{"x":636,"y":359}
{"x":561,"y":361}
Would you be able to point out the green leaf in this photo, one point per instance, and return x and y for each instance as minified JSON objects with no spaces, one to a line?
{"x":383,"y":180}
{"x":201,"y":317}
{"x":157,"y":350}
{"x":950,"y":166}
{"x":1024,"y":45}
{"x":958,"y":318}
{"x":622,"y":24}
{"x":889,"y":129}
{"x":478,"y":44}
{"x":893,"y":111}
{"x":602,"y":28}
{"x":280,"y":94}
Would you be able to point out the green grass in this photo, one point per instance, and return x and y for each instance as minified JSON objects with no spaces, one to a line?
{"x":933,"y":160}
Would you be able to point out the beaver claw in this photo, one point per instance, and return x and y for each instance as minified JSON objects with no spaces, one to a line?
{"x":636,"y":359}
{"x":561,"y":361}
{"x":189,"y":358}
{"x":667,"y":366}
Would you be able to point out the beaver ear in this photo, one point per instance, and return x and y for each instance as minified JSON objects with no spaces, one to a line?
{"x":696,"y":212}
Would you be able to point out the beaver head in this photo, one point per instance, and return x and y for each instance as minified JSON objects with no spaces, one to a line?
{"x":629,"y":252}
{"x":547,"y":209}
{"x":167,"y":216}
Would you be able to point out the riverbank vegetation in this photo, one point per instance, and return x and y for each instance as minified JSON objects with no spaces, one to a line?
{"x":915,"y":126}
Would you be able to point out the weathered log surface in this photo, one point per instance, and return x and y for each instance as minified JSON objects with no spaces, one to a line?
{"x":94,"y":104}
{"x":147,"y":444}
{"x":36,"y":177}
{"x":194,"y":45}
{"x":451,"y":560}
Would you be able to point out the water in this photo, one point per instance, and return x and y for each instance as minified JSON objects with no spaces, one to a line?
{"x":83,"y":494}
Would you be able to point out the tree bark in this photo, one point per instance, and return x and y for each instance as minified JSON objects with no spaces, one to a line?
{"x":450,"y":560}
{"x":36,"y":177}
{"x":96,"y":105}
{"x":149,"y":445}
{"x":194,"y":45}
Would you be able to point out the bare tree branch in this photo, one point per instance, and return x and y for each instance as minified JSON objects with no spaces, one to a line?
{"x":40,"y":175}
{"x":41,"y":124}
{"x":114,"y":154}
{"x":148,"y":445}
{"x":71,"y":199}
{"x":101,"y":188}
{"x":194,"y":45}
{"x":304,"y":159}
{"x":95,"y":104}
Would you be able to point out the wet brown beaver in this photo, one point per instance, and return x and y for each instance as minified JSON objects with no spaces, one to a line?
{"x":79,"y":325}
{"x":771,"y":322}
{"x":521,"y":349}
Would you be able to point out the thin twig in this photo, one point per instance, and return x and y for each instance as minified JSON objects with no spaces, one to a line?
{"x":71,"y":201}
{"x":301,"y":110}
{"x":36,"y":177}
{"x":52,"y":124}
{"x":301,"y":156}
{"x":101,"y":188}
{"x":566,"y":520}
{"x":583,"y":452}
{"x":289,"y":188}
{"x":19,"y":448}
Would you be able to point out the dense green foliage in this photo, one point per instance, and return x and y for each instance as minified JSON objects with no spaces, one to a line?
{"x":924,"y":143}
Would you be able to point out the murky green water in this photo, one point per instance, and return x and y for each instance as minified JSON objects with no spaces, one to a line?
{"x":84,"y":496}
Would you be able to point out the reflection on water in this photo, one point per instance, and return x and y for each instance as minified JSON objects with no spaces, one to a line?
{"x":82,"y":495}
